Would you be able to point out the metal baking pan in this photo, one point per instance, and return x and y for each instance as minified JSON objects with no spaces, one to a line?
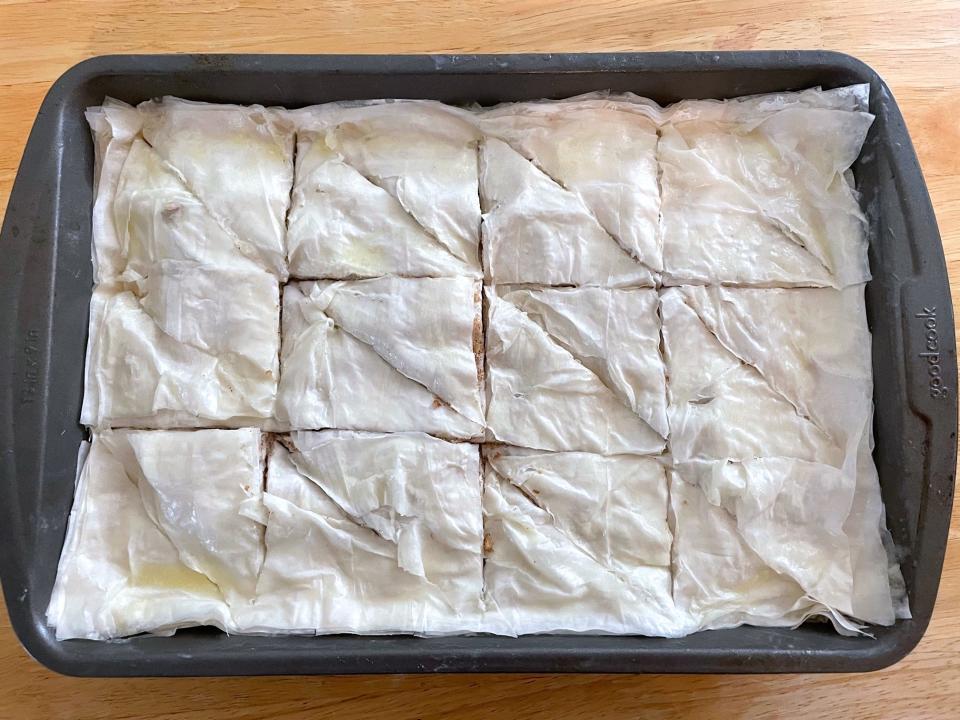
{"x":45,"y":287}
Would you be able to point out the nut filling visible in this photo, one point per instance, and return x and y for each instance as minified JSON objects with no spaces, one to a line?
{"x":588,"y":365}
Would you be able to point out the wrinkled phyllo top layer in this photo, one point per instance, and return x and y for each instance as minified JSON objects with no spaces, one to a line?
{"x":387,"y":354}
{"x":601,"y":189}
{"x":179,"y":180}
{"x":332,"y":531}
{"x":588,"y":365}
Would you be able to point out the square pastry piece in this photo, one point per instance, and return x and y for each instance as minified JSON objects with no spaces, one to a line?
{"x":385,"y":188}
{"x":767,"y":372}
{"x":237,"y":160}
{"x":771,"y":541}
{"x":577,"y":542}
{"x":571,"y":191}
{"x":758,"y":190}
{"x":181,"y":180}
{"x":775,"y":496}
{"x":537,"y":231}
{"x":388,"y":354}
{"x":575,"y":369}
{"x":187,"y":346}
{"x":370,"y":533}
{"x":163,"y":533}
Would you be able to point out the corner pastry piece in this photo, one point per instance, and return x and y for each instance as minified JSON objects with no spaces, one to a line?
{"x":177,"y":180}
{"x":370,"y":533}
{"x":188,"y":346}
{"x":385,"y":188}
{"x":577,"y":542}
{"x":163,"y":533}
{"x":777,"y":504}
{"x":156,"y":218}
{"x":575,"y":369}
{"x":767,"y":372}
{"x":603,"y":149}
{"x":758,"y":190}
{"x":388,"y":354}
{"x":237,"y":160}
{"x":772,"y":541}
{"x":537,"y":231}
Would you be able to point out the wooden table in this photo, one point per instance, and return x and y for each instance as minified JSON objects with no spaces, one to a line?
{"x":915,"y":46}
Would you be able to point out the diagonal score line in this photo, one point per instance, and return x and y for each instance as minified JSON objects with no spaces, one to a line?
{"x":574,"y":543}
{"x":589,"y":210}
{"x":354,"y":520}
{"x":393,"y":367}
{"x":793,"y":237}
{"x":221,"y":222}
{"x":430,"y":236}
{"x":781,"y":228}
{"x":377,"y":183}
{"x":746,"y":363}
{"x":156,"y":524}
{"x":580,"y":361}
{"x":229,"y":360}
{"x":295,"y":456}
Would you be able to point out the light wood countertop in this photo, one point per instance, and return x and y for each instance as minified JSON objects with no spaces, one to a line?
{"x":915,"y":46}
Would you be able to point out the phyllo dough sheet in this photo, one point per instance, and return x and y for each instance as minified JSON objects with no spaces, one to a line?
{"x":775,"y":497}
{"x":183,"y":180}
{"x":537,"y":231}
{"x":237,"y":160}
{"x":163,"y":533}
{"x":772,"y":541}
{"x":185,"y":347}
{"x":388,"y":354}
{"x":385,"y":188}
{"x":767,"y":372}
{"x":758,"y":190}
{"x":575,"y":369}
{"x":370,"y":533}
{"x":570,"y":191}
{"x":577,"y":542}
{"x":588,"y":365}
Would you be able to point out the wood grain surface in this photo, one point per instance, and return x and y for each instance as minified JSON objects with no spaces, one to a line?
{"x":914,"y":45}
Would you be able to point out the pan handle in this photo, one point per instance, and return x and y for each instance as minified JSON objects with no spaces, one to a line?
{"x":929,"y":360}
{"x":29,"y":245}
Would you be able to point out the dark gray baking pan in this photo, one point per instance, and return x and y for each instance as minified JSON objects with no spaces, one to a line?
{"x":45,"y":286}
